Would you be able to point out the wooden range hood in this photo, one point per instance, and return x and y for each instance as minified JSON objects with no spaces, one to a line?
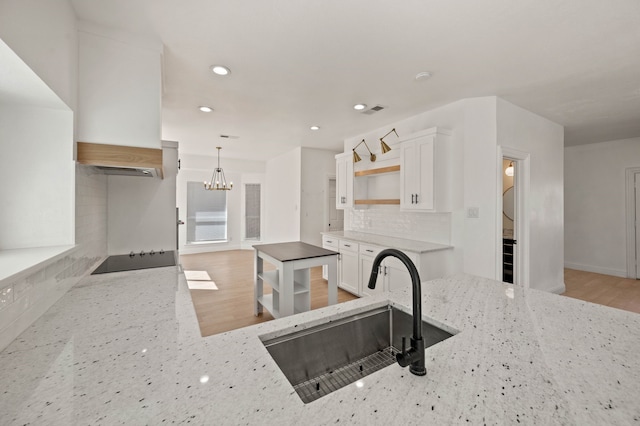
{"x":121,"y":158}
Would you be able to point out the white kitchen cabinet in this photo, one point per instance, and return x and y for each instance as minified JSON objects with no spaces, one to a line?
{"x":330,"y":243}
{"x":425,"y":171}
{"x":348,"y":266}
{"x":368,"y":254}
{"x":344,"y":180}
{"x":396,"y":274}
{"x":356,"y":260}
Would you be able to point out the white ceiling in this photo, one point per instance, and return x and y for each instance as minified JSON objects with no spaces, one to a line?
{"x":300,"y":63}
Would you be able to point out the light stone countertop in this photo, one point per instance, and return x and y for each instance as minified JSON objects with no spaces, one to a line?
{"x":124,"y":348}
{"x":385,"y":241}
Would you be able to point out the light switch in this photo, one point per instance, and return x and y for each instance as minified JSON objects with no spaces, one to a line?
{"x":473,"y":212}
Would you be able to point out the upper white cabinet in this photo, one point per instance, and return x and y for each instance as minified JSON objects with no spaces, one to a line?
{"x":425,"y":171}
{"x":344,"y":180}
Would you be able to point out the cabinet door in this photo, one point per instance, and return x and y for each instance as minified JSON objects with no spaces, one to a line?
{"x":366,"y":262}
{"x":349,"y":271}
{"x":424,"y":148}
{"x":409,"y":172}
{"x":344,"y":182}
{"x":417,"y":174}
{"x":396,"y":277}
{"x":330,"y":243}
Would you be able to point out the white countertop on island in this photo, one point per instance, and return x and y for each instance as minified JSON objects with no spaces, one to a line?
{"x":125,"y":348}
{"x":390,"y":242}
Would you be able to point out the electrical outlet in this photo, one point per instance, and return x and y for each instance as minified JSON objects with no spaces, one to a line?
{"x":473,"y":212}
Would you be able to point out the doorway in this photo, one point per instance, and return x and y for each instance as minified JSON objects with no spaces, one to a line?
{"x":334,"y":217}
{"x":633,"y":222}
{"x":509,"y":236}
{"x":512,"y":222}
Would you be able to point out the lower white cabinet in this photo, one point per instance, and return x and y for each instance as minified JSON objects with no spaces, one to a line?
{"x":396,"y":275}
{"x":356,"y":260}
{"x":368,"y":254}
{"x":330,"y":243}
{"x":349,"y":271}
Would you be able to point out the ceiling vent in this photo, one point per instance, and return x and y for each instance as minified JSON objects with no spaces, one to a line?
{"x":373,"y":110}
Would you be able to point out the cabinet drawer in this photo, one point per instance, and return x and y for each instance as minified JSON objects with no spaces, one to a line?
{"x":347,"y":245}
{"x":369,"y":250}
{"x":331,"y":242}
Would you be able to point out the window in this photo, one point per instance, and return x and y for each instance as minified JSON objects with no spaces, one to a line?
{"x":206,"y":214}
{"x":252,"y":211}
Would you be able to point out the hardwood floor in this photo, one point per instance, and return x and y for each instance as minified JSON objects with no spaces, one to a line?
{"x":231,"y":306}
{"x":621,"y":293}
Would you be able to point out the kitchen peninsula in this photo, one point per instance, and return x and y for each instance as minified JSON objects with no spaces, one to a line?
{"x":125,"y":348}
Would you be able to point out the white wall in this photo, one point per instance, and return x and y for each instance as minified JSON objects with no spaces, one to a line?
{"x":544,"y":141}
{"x":44,"y":34}
{"x":197,"y":168}
{"x":38,"y":172}
{"x":282,"y":197}
{"x":119,"y":88}
{"x":141,"y":211}
{"x":317,"y":165}
{"x":594,"y":196}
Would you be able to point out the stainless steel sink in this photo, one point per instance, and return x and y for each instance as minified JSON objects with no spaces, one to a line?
{"x":327,"y":357}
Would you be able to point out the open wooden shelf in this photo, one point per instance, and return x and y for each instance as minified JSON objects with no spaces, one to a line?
{"x":388,"y":169}
{"x":382,"y":201}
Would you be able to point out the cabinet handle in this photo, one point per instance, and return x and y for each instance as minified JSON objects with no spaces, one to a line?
{"x":370,"y":251}
{"x":330,"y":242}
{"x":412,"y":195}
{"x":416,"y":198}
{"x":385,"y":271}
{"x":347,"y":245}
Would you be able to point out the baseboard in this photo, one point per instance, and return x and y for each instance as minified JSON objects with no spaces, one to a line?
{"x":597,"y":269}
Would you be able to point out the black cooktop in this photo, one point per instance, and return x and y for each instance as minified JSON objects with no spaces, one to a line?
{"x":128,"y":262}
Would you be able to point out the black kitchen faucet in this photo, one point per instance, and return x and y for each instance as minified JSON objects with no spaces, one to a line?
{"x":415,"y":354}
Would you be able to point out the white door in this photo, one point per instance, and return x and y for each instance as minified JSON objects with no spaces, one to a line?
{"x":637,"y":186}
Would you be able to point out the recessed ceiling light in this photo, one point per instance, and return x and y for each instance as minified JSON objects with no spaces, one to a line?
{"x":220,"y":70}
{"x":423,"y":75}
{"x":359,"y":107}
{"x":205,"y":108}
{"x":315,"y":127}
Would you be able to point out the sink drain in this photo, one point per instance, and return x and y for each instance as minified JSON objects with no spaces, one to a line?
{"x":317,"y":387}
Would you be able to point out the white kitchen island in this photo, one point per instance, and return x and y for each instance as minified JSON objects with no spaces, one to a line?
{"x":124,"y":348}
{"x":290,"y":282}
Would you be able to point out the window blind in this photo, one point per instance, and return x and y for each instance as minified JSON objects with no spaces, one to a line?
{"x":252,"y":211}
{"x":206,"y":214}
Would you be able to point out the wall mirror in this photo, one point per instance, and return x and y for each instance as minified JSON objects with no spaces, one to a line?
{"x":508,"y":203}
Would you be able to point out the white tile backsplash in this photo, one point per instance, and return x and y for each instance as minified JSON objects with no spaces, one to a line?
{"x":391,"y":222}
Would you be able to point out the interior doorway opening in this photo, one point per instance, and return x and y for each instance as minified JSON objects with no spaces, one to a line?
{"x":633,"y":222}
{"x":509,"y":210}
{"x":512,"y":220}
{"x":334,"y":218}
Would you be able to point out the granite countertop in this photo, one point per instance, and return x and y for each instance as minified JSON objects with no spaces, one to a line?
{"x":124,"y":348}
{"x":385,"y":241}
